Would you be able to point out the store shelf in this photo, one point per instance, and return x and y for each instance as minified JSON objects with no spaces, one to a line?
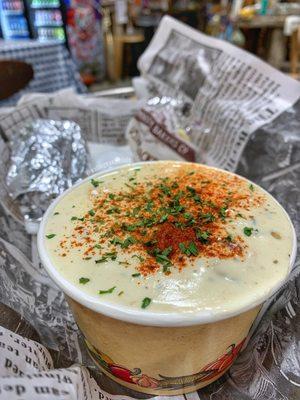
{"x":13,"y":12}
{"x":49,"y":25}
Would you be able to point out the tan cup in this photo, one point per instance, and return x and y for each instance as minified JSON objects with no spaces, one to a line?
{"x":161,"y":360}
{"x":158,"y":354}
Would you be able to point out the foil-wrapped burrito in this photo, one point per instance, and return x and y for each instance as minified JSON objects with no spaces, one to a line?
{"x":46,"y":158}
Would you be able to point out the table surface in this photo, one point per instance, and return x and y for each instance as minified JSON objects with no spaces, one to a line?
{"x":262,"y":21}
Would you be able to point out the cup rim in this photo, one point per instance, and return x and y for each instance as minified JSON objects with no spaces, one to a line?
{"x":146,"y":317}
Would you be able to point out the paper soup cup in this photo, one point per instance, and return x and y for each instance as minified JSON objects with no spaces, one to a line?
{"x":157,"y":353}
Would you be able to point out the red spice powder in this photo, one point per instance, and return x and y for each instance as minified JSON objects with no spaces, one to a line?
{"x":163,"y":214}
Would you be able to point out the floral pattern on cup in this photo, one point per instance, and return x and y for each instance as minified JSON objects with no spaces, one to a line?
{"x":135,"y":376}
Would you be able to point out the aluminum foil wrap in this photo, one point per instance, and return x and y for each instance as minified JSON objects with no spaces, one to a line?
{"x":47,"y":157}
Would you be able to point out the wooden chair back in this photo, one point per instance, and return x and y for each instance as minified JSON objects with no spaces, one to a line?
{"x":14,"y":76}
{"x":294,"y":52}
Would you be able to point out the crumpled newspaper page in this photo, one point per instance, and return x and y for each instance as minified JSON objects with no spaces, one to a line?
{"x":210,"y":102}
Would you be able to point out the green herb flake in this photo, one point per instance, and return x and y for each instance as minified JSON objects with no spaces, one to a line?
{"x":123,"y":262}
{"x":146,"y":302}
{"x":193,"y":249}
{"x":191,"y":190}
{"x":203,"y":236}
{"x":229,"y":238}
{"x":83,"y":280}
{"x":182,"y":247}
{"x":164,"y":218}
{"x":120,"y":293}
{"x":116,"y":240}
{"x":98,"y":246}
{"x":136,"y":275}
{"x":74,"y":218}
{"x":111,"y":196}
{"x":189,"y":250}
{"x":51,"y":235}
{"x":101,"y":260}
{"x":56,"y":213}
{"x":165,"y":189}
{"x":127,"y":242}
{"x":248,"y":231}
{"x":95,"y":182}
{"x":222,"y":213}
{"x":208,"y":217}
{"x":240,"y":215}
{"x":92,"y":213}
{"x":113,"y":210}
{"x":251,"y":187}
{"x":188,"y":215}
{"x":107,"y":291}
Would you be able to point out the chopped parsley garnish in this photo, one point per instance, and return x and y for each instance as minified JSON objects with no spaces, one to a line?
{"x":56,"y":213}
{"x":124,"y":263}
{"x":146,"y":302}
{"x":83,"y":280}
{"x":120,"y":293}
{"x":98,"y":246}
{"x":113,"y":210}
{"x":136,"y":275}
{"x":251,"y":187}
{"x":188,"y":215}
{"x":240,"y":215}
{"x":124,"y":244}
{"x":92,"y":213}
{"x":229,"y":238}
{"x":111,"y":196}
{"x":112,"y":255}
{"x":165,"y":189}
{"x":162,"y":257}
{"x":107,"y":291}
{"x":116,"y":240}
{"x":191,"y":190}
{"x":51,"y":235}
{"x":74,"y":218}
{"x":95,"y":182}
{"x":127,"y":242}
{"x":222,"y":213}
{"x":248,"y":231}
{"x":164,"y":218}
{"x":189,"y":250}
{"x":208,"y":217}
{"x":149,"y":205}
{"x":203,"y":236}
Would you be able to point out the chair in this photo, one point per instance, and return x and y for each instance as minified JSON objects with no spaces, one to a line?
{"x":14,"y":76}
{"x":294,"y":51}
{"x":123,"y":34}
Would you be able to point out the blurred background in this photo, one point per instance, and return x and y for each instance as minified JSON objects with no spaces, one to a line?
{"x":103,"y":39}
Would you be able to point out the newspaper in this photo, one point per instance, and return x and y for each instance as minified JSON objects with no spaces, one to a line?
{"x":191,"y":85}
{"x":225,"y":95}
{"x":103,"y":120}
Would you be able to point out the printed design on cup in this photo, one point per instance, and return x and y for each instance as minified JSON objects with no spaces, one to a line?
{"x":135,"y":376}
